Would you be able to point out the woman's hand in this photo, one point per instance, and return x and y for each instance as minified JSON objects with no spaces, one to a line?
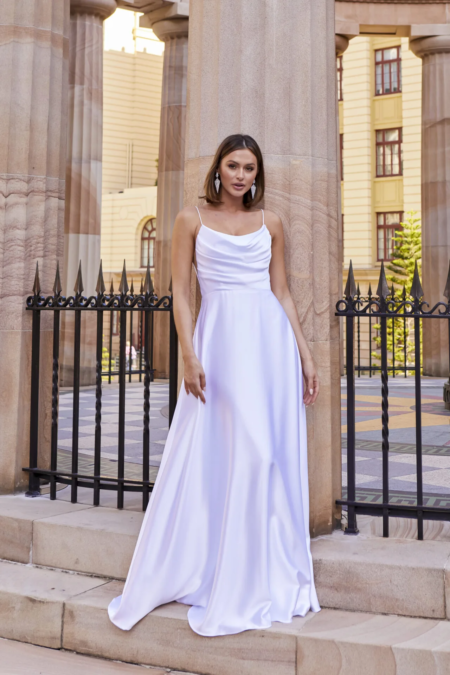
{"x":194,"y":377}
{"x":311,"y":382}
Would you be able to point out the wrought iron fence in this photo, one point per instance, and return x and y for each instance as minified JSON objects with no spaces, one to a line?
{"x":126,"y":302}
{"x":399,"y":356}
{"x":386,"y":307}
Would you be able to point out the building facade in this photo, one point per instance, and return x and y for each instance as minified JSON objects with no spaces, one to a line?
{"x":380,"y":117}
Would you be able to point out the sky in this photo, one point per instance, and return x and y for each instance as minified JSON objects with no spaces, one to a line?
{"x":122,"y":33}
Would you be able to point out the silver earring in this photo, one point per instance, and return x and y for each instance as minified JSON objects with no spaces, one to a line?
{"x":217,"y":182}
{"x":253,"y":189}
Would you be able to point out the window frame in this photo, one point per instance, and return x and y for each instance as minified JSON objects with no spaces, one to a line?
{"x":385,"y":144}
{"x":390,"y":62}
{"x":384,"y":227}
{"x":339,"y":76}
{"x":146,"y":242}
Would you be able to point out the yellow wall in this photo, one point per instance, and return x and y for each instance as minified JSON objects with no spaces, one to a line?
{"x":357,"y":187}
{"x":412,"y":127}
{"x":131,"y":113}
{"x":361,"y":114}
{"x":123,"y":217}
{"x":132,"y":80}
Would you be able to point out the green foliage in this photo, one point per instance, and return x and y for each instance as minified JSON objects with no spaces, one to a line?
{"x":400,"y":331}
{"x":105,"y":362}
{"x":407,"y":250}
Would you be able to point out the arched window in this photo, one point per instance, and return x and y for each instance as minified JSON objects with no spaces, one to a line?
{"x":148,"y":238}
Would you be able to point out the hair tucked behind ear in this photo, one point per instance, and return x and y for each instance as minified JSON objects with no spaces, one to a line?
{"x":230,"y":144}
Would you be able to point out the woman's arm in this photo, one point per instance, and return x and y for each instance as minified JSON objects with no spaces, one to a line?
{"x":280,"y":289}
{"x":183,"y":244}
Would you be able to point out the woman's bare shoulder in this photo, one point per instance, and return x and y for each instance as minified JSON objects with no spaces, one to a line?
{"x":187,"y":219}
{"x":273,"y":222}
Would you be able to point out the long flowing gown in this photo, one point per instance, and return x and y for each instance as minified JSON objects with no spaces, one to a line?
{"x":226,"y":529}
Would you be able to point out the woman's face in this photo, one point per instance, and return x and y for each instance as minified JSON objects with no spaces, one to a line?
{"x":237,"y":171}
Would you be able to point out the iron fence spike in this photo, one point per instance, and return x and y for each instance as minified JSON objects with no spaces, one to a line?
{"x":350,"y":287}
{"x":57,"y":288}
{"x":37,"y":282}
{"x":404,"y":293}
{"x":142,"y":286}
{"x":100,"y":288}
{"x":111,"y":287}
{"x":170,"y":286}
{"x":358,"y":292}
{"x":383,"y":288}
{"x":132,"y":287}
{"x":79,"y":288}
{"x":123,"y":288}
{"x":447,"y":286}
{"x":416,"y":291}
{"x":370,"y":290}
{"x":148,"y":285}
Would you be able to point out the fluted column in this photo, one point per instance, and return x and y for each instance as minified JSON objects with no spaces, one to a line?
{"x":174,"y":33}
{"x":435,"y":54}
{"x":34,"y":42}
{"x":84,"y":169}
{"x":269,"y":69}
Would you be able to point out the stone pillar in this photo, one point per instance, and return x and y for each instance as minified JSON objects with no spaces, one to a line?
{"x":270,"y":71}
{"x":34,"y":50}
{"x":435,"y":54}
{"x":84,"y":170}
{"x":171,"y":27}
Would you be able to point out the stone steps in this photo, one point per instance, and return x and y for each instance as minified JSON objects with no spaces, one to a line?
{"x":17,"y":658}
{"x":62,"y":610}
{"x":364,"y":573}
{"x":63,"y":563}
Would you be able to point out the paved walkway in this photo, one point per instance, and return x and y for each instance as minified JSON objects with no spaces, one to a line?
{"x":402,"y":461}
{"x":134,"y":401}
{"x":402,"y":437}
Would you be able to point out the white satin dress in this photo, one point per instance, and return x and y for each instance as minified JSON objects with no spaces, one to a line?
{"x":227,"y":526}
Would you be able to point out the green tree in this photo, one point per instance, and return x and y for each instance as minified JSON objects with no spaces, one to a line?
{"x":105,"y":363}
{"x":407,"y":251}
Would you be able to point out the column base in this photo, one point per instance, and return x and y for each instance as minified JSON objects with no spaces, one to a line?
{"x":447,"y":395}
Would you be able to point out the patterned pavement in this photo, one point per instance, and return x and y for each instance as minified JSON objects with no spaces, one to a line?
{"x":402,"y":437}
{"x":134,"y":401}
{"x":402,"y":461}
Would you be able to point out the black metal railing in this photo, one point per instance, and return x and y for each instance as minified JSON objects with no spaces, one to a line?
{"x":400,"y":359}
{"x":385,"y":307}
{"x":143,"y":305}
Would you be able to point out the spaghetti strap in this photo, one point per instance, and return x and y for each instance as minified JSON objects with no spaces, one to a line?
{"x":262,"y":215}
{"x":198,"y":211}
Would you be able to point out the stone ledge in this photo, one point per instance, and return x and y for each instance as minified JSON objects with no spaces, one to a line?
{"x":364,"y":573}
{"x":392,"y":576}
{"x":32,"y":602}
{"x":331,"y":642}
{"x":18,"y":658}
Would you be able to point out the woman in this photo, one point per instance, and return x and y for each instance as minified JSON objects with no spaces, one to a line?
{"x":226,"y":529}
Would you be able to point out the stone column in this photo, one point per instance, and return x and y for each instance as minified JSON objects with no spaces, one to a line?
{"x":34,"y":50}
{"x":84,"y":170}
{"x":171,"y":27}
{"x":269,"y":70}
{"x":435,"y":54}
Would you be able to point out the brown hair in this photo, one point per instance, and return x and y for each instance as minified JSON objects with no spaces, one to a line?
{"x":230,"y":144}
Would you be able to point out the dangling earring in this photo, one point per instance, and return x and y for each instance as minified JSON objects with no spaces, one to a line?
{"x":253,"y":189}
{"x":217,"y":182}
